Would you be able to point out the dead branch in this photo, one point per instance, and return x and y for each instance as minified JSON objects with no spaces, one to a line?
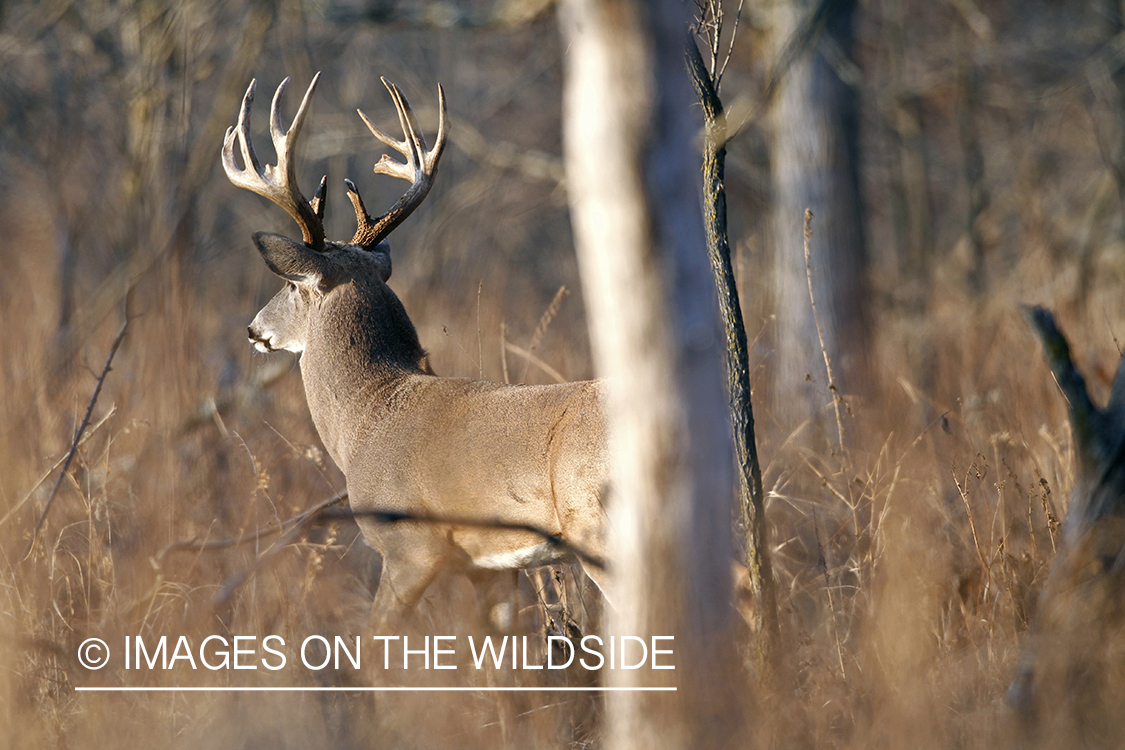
{"x":194,"y":545}
{"x":77,"y":437}
{"x":323,"y":512}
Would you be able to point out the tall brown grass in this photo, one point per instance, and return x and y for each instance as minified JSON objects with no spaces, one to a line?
{"x":908,"y":559}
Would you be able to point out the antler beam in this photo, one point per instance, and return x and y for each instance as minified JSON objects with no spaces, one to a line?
{"x":276,"y":183}
{"x":419,"y":169}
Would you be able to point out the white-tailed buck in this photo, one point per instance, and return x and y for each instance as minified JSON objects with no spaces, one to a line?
{"x":487,"y":475}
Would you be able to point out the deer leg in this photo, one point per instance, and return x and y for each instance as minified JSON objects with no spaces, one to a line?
{"x":401,"y":584}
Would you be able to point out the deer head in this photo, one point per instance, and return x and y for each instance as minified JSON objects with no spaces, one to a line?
{"x":324,"y":277}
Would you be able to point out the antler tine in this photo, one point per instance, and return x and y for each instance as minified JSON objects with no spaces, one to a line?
{"x":275,"y":183}
{"x":249,"y":157}
{"x":419,"y":169}
{"x":320,"y":199}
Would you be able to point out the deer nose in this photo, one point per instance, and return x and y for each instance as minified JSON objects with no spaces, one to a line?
{"x":260,"y":342}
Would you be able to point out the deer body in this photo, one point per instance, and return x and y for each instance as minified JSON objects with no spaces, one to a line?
{"x":523,"y":464}
{"x":493,"y":475}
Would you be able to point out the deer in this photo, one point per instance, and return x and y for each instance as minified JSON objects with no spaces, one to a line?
{"x":442,"y":473}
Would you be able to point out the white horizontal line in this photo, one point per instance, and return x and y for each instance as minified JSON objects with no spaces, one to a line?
{"x":324,"y":689}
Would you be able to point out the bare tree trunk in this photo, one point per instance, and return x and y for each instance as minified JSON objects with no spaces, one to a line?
{"x":910,"y":198}
{"x":815,"y":165}
{"x":751,"y":498}
{"x":632,"y":175}
{"x":910,"y":180}
{"x":1107,"y":79}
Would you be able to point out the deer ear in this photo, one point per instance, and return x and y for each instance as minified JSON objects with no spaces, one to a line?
{"x":294,"y":260}
{"x":381,"y":256}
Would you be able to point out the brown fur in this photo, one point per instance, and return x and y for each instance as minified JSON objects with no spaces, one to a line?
{"x":414,"y":443}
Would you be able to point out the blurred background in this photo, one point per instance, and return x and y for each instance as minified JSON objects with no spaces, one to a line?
{"x":975,"y":161}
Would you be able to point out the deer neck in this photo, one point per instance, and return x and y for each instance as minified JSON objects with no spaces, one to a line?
{"x":352,"y":365}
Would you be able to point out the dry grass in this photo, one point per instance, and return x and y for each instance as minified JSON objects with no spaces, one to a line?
{"x":908,"y":559}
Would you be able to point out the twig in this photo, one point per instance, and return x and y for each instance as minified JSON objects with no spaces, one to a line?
{"x":15,"y":508}
{"x":709,"y":24}
{"x":234,"y":582}
{"x":480,"y":342}
{"x":552,"y":372}
{"x":388,"y":516}
{"x":730,"y":50}
{"x":544,"y":323}
{"x":77,"y":437}
{"x":836,"y":398}
{"x":504,"y":350}
{"x":801,"y":42}
{"x":195,"y":546}
{"x":323,"y":512}
{"x":986,"y":569}
{"x":823,"y":562}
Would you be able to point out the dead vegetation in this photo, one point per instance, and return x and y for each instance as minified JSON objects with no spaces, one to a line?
{"x":908,"y":558}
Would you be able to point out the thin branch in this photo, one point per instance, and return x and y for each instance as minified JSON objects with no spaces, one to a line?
{"x":27,"y":496}
{"x":836,"y":398}
{"x":77,"y":436}
{"x":530,"y":163}
{"x":550,"y":371}
{"x":730,"y":49}
{"x":192,"y":545}
{"x":751,"y":498}
{"x":802,"y":42}
{"x":234,"y":582}
{"x":504,"y":351}
{"x":986,"y":568}
{"x":544,"y":323}
{"x":714,"y":31}
{"x":823,"y":562}
{"x":552,"y":539}
{"x":324,"y":512}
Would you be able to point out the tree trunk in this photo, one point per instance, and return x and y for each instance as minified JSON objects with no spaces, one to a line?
{"x":632,"y":176}
{"x":751,"y":498}
{"x":815,"y":163}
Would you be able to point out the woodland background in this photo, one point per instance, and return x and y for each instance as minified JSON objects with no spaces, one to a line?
{"x":989,"y":139}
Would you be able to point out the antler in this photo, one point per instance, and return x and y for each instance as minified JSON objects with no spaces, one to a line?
{"x":277,"y":183}
{"x":419,"y":169}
